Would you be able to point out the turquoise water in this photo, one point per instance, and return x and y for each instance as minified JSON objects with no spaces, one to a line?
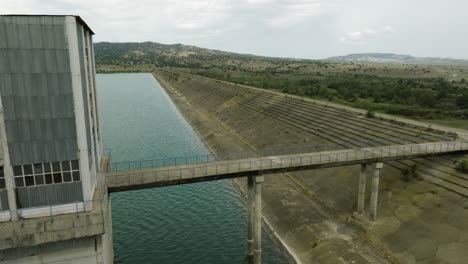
{"x":196,"y":223}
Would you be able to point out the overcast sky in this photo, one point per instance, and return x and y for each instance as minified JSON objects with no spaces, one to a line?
{"x":284,"y":28}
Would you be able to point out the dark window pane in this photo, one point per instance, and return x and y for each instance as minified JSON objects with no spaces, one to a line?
{"x":76,"y":176}
{"x":75,"y":165}
{"x":65,"y":165}
{"x":1,"y":173}
{"x":57,"y":178}
{"x":67,"y":177}
{"x":2,"y":183}
{"x":48,"y":179}
{"x":56,"y":166}
{"x":39,"y":179}
{"x":38,"y":168}
{"x":17,"y":170}
{"x":27,"y":169}
{"x":19,"y":181}
{"x":29,"y":180}
{"x":47,"y":167}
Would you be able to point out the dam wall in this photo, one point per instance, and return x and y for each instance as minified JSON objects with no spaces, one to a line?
{"x":422,"y":203}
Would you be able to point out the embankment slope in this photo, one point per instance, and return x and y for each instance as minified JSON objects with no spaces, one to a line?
{"x":418,"y":220}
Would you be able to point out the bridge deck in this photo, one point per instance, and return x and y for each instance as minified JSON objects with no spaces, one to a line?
{"x":191,"y":173}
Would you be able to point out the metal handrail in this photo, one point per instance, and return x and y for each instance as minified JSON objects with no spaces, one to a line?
{"x":79,"y":205}
{"x":184,"y":160}
{"x":271,"y":163}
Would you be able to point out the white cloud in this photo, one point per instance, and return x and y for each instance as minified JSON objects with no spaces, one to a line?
{"x":294,"y":12}
{"x":198,"y":14}
{"x":307,"y":28}
{"x":388,"y":29}
{"x":366,"y":35}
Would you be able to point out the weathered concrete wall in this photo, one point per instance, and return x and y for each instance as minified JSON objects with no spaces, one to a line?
{"x":82,"y":250}
{"x":107,"y":237}
{"x":42,"y":230}
{"x":74,"y":238}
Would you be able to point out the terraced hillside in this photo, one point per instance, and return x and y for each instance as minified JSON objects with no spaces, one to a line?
{"x":423,"y":208}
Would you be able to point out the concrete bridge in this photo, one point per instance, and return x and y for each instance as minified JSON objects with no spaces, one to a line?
{"x":255,"y":169}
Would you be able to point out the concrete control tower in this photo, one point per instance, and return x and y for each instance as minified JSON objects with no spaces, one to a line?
{"x":52,"y":206}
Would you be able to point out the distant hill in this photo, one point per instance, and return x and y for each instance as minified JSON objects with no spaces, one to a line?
{"x":394,"y":58}
{"x":175,"y":55}
{"x":151,"y":54}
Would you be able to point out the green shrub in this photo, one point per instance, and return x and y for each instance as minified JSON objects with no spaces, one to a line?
{"x":462,"y":166}
{"x":370,"y":114}
{"x":409,"y":173}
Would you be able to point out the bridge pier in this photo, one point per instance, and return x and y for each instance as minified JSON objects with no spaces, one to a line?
{"x":375,"y":190}
{"x":362,"y":188}
{"x":258,"y":220}
{"x":250,"y":216}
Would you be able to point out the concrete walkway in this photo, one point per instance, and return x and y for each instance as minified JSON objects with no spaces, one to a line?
{"x":183,"y":174}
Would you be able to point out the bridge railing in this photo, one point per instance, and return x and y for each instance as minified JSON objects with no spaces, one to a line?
{"x":184,"y":160}
{"x":95,"y":204}
{"x":197,"y":170}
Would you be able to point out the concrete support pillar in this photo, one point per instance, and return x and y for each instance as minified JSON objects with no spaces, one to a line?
{"x":7,"y":169}
{"x":258,"y":220}
{"x":375,"y":190}
{"x":78,"y":99}
{"x":250,"y":215}
{"x":362,"y":188}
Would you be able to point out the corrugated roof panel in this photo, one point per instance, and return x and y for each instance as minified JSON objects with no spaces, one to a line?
{"x":9,"y":107}
{"x":24,"y":37}
{"x":23,"y":151}
{"x":63,"y":106}
{"x":13,"y":65}
{"x":4,"y":61}
{"x":19,"y":110}
{"x":50,"y":61}
{"x":49,"y":194}
{"x":48,"y":127}
{"x":37,"y":61}
{"x":54,"y":108}
{"x":45,"y":36}
{"x":28,"y":85}
{"x":28,"y":130}
{"x":25,"y":60}
{"x":12,"y":35}
{"x":4,"y":199}
{"x":53,"y":84}
{"x":35,"y":85}
{"x":35,"y":113}
{"x":40,"y":84}
{"x":71,"y":126}
{"x":65,"y":80}
{"x":5,"y":85}
{"x":49,"y":20}
{"x":37,"y":134}
{"x":43,"y":108}
{"x":56,"y":148}
{"x":22,"y":107}
{"x":36,"y":36}
{"x":63,"y":61}
{"x":59,"y":37}
{"x":10,"y":126}
{"x":36,"y":150}
{"x":3,"y":35}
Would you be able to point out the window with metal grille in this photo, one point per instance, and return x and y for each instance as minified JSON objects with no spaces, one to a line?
{"x":46,"y":173}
